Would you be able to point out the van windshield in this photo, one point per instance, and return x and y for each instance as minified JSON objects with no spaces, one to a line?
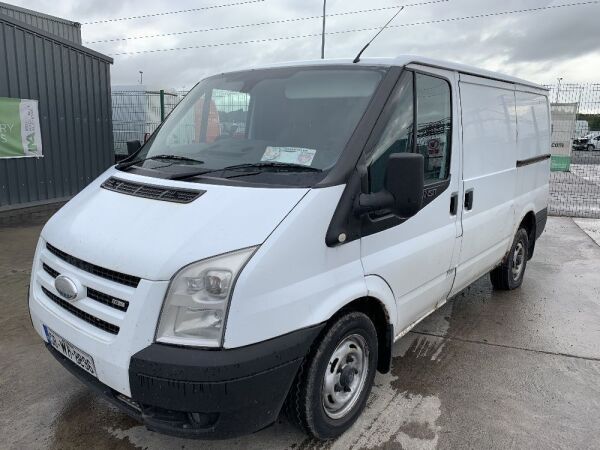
{"x":263,"y":125}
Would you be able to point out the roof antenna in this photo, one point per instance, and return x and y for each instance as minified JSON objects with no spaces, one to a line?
{"x":357,"y":59}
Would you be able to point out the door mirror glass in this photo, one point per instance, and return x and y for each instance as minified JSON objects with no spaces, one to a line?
{"x":402,"y":194}
{"x":404,"y":179}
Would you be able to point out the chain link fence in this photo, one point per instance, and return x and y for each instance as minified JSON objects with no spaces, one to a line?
{"x":575,"y":176}
{"x":137,"y":113}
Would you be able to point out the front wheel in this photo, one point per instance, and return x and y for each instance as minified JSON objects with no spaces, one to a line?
{"x":591,"y":148}
{"x":335,"y":379}
{"x":509,"y":275}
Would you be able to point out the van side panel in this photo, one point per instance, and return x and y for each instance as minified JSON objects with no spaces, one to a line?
{"x":533,"y":127}
{"x":489,"y":171}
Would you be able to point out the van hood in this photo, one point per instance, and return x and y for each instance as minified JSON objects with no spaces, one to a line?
{"x":153,"y":239}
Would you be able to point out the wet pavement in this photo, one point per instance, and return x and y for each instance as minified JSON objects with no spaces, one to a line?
{"x":489,"y":369}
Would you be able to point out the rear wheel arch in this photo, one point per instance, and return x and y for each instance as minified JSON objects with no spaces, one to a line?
{"x":528,"y":223}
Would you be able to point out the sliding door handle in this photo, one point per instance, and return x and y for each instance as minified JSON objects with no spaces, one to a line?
{"x":469,"y":200}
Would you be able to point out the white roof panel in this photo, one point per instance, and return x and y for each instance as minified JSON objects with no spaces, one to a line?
{"x":403,"y":60}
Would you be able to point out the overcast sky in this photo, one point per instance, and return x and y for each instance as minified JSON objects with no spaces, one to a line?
{"x":539,"y":46}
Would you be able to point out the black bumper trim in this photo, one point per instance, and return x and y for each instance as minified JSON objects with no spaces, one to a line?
{"x":207,"y":365}
{"x":207,"y":394}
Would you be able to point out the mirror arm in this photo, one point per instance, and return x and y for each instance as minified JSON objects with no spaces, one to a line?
{"x":368,"y":203}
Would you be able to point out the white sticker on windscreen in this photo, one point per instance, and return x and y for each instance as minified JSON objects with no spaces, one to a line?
{"x":289,"y":155}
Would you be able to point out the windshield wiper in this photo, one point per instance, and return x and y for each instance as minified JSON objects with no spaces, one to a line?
{"x":171,"y":157}
{"x":274,"y":164}
{"x":291,"y":167}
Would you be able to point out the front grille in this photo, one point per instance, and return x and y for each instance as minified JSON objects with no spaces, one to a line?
{"x":108,"y":300}
{"x":100,"y":297}
{"x":95,"y":321}
{"x":150,"y":191}
{"x":50,"y":271}
{"x":122,"y":278}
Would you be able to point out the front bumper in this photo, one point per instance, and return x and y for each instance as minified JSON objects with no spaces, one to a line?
{"x":212,"y":394}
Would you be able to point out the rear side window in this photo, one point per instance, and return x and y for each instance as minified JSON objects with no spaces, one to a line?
{"x":427,"y":102}
{"x":434,"y":125}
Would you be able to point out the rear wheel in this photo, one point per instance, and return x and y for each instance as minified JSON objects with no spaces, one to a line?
{"x":509,"y":274}
{"x":335,"y":379}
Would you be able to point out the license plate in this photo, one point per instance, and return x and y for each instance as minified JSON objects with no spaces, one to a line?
{"x":79,"y":357}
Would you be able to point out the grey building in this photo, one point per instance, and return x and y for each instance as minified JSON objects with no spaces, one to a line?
{"x":41,"y":58}
{"x":71,"y":31}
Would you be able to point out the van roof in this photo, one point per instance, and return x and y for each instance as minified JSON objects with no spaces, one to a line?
{"x":404,"y":60}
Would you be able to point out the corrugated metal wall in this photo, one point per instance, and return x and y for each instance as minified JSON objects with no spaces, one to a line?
{"x":72,"y":84}
{"x":71,"y":31}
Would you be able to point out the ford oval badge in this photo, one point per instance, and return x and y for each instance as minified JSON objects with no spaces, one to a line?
{"x":66,"y":287}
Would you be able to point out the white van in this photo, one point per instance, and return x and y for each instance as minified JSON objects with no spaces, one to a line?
{"x":281,"y":229}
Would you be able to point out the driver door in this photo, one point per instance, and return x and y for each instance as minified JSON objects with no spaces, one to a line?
{"x":416,"y":257}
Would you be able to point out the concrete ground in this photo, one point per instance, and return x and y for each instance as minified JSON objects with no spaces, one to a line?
{"x":490,"y":369}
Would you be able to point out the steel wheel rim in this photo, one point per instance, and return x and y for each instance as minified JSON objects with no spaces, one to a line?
{"x":518,"y":261}
{"x":345,"y":376}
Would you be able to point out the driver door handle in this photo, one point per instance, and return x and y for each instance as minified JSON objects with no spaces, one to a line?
{"x":454,"y":204}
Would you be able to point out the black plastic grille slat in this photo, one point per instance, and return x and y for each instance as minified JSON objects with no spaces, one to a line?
{"x":122,"y":278}
{"x":50,"y":271}
{"x":95,"y":321}
{"x":151,"y":191}
{"x":108,"y":300}
{"x":93,"y":294}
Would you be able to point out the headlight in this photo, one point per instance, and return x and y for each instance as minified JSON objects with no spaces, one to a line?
{"x":196,"y":303}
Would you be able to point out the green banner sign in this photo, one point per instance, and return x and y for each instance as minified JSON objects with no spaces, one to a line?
{"x":19,"y":128}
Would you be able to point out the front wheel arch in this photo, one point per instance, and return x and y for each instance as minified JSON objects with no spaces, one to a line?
{"x":378,"y":314}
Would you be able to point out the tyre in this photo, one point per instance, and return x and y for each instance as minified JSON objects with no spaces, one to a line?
{"x":591,"y":148}
{"x":509,"y":275}
{"x":335,"y":379}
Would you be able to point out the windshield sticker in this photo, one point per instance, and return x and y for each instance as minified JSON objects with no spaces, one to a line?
{"x":289,"y":155}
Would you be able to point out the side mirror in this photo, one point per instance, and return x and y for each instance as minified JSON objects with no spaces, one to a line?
{"x":133,"y":146}
{"x":404,"y":179}
{"x":403,"y":187}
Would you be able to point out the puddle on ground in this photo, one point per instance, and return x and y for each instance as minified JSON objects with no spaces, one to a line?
{"x":82,"y":424}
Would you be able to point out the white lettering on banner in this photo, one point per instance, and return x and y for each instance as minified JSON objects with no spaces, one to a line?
{"x":6,"y":127}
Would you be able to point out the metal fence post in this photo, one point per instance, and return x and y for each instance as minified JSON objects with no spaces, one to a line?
{"x":162,"y":105}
